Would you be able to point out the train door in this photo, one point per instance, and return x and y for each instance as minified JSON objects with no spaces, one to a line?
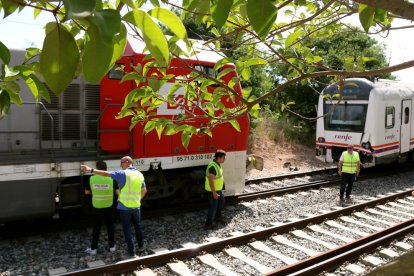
{"x":405,"y":125}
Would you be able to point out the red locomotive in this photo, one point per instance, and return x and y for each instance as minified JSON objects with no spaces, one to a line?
{"x":42,"y":145}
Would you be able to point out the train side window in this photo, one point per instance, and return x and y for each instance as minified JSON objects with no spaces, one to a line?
{"x":117,"y":72}
{"x":389,"y":117}
{"x":406,"y":115}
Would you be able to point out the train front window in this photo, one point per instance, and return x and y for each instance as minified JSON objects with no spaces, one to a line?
{"x":345,"y":117}
{"x":116,"y":72}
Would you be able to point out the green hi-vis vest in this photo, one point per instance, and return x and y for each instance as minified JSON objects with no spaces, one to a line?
{"x":218,"y":179}
{"x":130,"y":194}
{"x":102,"y":189}
{"x":349,"y":164}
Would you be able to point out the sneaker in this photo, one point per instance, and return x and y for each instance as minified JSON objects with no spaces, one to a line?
{"x":128,"y":256}
{"x":90,"y":251}
{"x":142,"y":248}
{"x":220,"y":220}
{"x":341,"y":200}
{"x":208,"y":226}
{"x":112,"y":249}
{"x":348,"y":200}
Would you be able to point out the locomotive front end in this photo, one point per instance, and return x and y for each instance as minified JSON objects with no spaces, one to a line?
{"x":342,"y":115}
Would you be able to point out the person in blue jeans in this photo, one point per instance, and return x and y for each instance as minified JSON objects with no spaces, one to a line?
{"x":214,"y":185}
{"x":132,"y":190}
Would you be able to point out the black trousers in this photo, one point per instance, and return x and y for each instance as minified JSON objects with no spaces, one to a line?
{"x":346,"y":184}
{"x":103,"y":216}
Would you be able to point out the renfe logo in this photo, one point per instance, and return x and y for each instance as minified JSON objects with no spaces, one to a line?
{"x":345,"y":137}
{"x":390,"y":137}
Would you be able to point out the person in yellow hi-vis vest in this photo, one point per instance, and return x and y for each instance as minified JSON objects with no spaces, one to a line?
{"x":214,"y":185}
{"x":132,"y":191}
{"x":103,"y":190}
{"x":348,"y":167}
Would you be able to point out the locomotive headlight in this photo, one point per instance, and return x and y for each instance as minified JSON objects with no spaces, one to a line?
{"x":321,"y":139}
{"x":366,"y":145}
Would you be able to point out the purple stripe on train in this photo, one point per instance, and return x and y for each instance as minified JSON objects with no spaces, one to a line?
{"x":376,"y":151}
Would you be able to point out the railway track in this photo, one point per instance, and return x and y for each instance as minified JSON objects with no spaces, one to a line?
{"x":20,"y":229}
{"x":250,"y":203}
{"x":397,"y":218}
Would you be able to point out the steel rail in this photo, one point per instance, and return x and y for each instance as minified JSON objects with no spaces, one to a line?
{"x":185,"y":253}
{"x":289,"y":176}
{"x":336,"y":257}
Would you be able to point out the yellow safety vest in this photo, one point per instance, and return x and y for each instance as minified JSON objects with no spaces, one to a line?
{"x":349,"y":164}
{"x":102,"y":189}
{"x":218,"y":179}
{"x":130,"y":194}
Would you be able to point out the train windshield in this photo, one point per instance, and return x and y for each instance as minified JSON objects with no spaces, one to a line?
{"x":345,"y":117}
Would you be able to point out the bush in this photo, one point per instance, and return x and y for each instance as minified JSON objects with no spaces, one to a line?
{"x":282,"y":129}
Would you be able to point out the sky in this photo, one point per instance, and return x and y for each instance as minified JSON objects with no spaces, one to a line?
{"x":20,"y":31}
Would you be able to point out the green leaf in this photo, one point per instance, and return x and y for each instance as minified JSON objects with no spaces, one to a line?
{"x":171,"y":20}
{"x":235,"y":124}
{"x":159,"y":130}
{"x":224,"y":72}
{"x":31,"y":52}
{"x":255,"y":111}
{"x":9,"y":7}
{"x":37,"y":88}
{"x":170,"y":130}
{"x":119,"y":43}
{"x":99,"y":55}
{"x":366,"y":16}
{"x":255,"y":61}
{"x":37,"y":11}
{"x":155,"y":3}
{"x":205,"y":130}
{"x":59,"y":58}
{"x":292,"y":38}
{"x":24,"y":70}
{"x":185,"y":139}
{"x":150,"y":125}
{"x":78,"y":8}
{"x":129,"y":3}
{"x":132,"y":76}
{"x":246,"y":74}
{"x":4,"y":103}
{"x":380,"y":15}
{"x":154,"y":83}
{"x":349,"y":63}
{"x":108,"y":23}
{"x":262,"y":14}
{"x":10,"y":72}
{"x":4,"y":53}
{"x":13,"y":89}
{"x":200,"y":9}
{"x":222,"y":62}
{"x":220,"y":11}
{"x":153,"y":36}
{"x":246,"y":92}
{"x":300,"y":2}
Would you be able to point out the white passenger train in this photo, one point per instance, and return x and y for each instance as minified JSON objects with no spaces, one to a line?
{"x":374,"y":116}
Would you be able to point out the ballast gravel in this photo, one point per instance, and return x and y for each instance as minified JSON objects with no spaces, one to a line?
{"x":35,"y":256}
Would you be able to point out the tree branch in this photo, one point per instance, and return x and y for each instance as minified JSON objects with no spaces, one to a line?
{"x":402,"y":8}
{"x":283,"y":86}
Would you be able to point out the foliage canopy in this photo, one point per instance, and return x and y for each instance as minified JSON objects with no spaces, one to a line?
{"x":88,"y":36}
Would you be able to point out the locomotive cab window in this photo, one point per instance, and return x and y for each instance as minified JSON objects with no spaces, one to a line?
{"x":208,"y":70}
{"x":406,"y":115}
{"x":117,"y":72}
{"x":389,"y":117}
